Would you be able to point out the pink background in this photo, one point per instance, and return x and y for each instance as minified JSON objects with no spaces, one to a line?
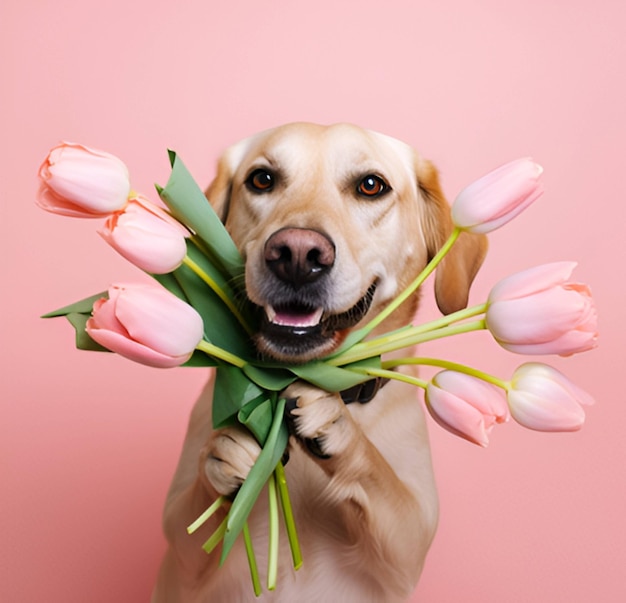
{"x":88,"y":442}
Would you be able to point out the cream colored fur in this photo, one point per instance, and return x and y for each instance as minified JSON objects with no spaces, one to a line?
{"x":366,"y":516}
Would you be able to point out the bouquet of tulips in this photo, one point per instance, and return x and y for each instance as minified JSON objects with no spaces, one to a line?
{"x":196,"y":314}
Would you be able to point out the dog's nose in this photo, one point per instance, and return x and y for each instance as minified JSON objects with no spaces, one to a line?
{"x":299,"y":255}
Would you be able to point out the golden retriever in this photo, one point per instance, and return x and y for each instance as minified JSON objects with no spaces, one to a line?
{"x":333,"y":222}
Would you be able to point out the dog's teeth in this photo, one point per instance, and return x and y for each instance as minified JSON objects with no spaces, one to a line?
{"x":314,"y":318}
{"x":271,"y":313}
{"x":289,"y":318}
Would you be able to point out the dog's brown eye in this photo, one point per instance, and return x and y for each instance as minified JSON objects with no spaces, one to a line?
{"x":260,"y":181}
{"x":372,"y":186}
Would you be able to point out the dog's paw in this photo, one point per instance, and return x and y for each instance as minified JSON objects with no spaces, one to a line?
{"x":320,"y":420}
{"x":228,"y":457}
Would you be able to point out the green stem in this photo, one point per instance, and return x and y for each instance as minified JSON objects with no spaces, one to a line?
{"x":446,"y":364}
{"x":254,"y":571}
{"x":373,"y":372}
{"x":445,"y":321}
{"x":206,"y":515}
{"x":448,"y":319}
{"x":218,"y":291}
{"x":220,"y":354}
{"x":272,"y":564}
{"x":290,"y":524}
{"x":400,"y":299}
{"x":215,"y":538}
{"x":406,"y":338}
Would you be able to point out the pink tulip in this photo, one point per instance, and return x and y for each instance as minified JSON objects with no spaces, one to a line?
{"x":81,"y":182}
{"x":544,"y":399}
{"x":147,"y":236}
{"x":466,"y":406}
{"x":147,"y":324}
{"x":538,"y":311}
{"x":499,"y":196}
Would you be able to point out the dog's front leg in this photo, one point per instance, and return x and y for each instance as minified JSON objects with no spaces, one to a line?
{"x":384,"y":519}
{"x":212,"y":463}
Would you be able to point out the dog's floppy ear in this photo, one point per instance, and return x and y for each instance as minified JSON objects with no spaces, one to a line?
{"x":219,"y":191}
{"x":457,"y":271}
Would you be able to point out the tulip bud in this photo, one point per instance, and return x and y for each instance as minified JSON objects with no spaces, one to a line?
{"x":147,"y":236}
{"x":499,"y":196}
{"x":538,"y":311}
{"x":146,"y":324}
{"x":81,"y":182}
{"x":466,"y":406}
{"x":543,"y":399}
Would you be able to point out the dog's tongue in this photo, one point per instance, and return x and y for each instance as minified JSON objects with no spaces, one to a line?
{"x":294,"y":317}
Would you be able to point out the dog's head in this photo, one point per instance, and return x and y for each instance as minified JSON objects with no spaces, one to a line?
{"x":333,"y":222}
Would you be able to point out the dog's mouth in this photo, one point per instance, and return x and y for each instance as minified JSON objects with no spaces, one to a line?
{"x":297,"y":332}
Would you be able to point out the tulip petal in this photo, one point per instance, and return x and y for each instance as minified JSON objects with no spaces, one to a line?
{"x":532,"y":373}
{"x":483,"y":396}
{"x":82,"y":182}
{"x":537,"y":311}
{"x":147,"y":324}
{"x":159,"y":212}
{"x":505,"y":217}
{"x":456,"y":416}
{"x":551,"y":411}
{"x":544,"y":399}
{"x":160,"y":320}
{"x":151,"y":240}
{"x":104,"y":316}
{"x":572,"y":342}
{"x":465,"y":405}
{"x":537,"y":318}
{"x":532,"y":280}
{"x":497,"y":197}
{"x":48,"y":200}
{"x":137,"y":245}
{"x":132,"y":349}
{"x":105,"y":190}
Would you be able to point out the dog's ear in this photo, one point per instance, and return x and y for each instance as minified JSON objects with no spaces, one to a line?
{"x":219,"y":191}
{"x":458,"y":269}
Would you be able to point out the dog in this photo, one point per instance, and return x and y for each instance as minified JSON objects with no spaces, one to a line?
{"x":333,"y":222}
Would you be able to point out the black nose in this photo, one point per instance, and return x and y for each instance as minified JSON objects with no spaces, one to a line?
{"x":299,"y":255}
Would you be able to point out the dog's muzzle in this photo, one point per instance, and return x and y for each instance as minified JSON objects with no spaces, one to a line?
{"x":295,"y":326}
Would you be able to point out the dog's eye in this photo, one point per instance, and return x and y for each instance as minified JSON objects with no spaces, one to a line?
{"x":372,"y":186}
{"x":260,"y":181}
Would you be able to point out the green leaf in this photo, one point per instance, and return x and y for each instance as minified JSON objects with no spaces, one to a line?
{"x":171,"y":284}
{"x":257,"y":417}
{"x":334,"y":378}
{"x":265,"y":464}
{"x":233,"y":390}
{"x":77,"y":315}
{"x":221,"y":328}
{"x":200,"y":359}
{"x":232,"y":296}
{"x":84,"y":306}
{"x":189,"y":205}
{"x":270,"y":378}
{"x":83,"y":340}
{"x":199,"y":256}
